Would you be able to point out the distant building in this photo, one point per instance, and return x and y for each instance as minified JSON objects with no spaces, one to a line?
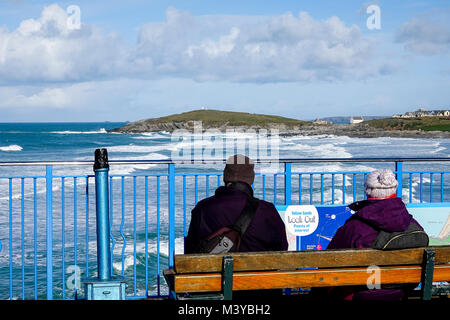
{"x":420,"y":113}
{"x":319,"y":121}
{"x":356,"y":120}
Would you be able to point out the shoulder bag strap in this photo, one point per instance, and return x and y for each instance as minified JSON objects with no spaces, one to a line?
{"x":246,"y":216}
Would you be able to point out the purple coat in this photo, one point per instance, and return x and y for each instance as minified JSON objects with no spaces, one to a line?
{"x":266,"y":232}
{"x":360,"y":231}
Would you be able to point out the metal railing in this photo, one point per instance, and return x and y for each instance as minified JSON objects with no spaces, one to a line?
{"x":48,"y":222}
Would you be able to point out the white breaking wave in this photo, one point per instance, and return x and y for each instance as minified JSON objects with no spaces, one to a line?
{"x":123,"y":169}
{"x":128,"y":169}
{"x":328,"y":150}
{"x":153,"y":135}
{"x":13,"y":147}
{"x":140,"y":149}
{"x":129,"y":260}
{"x":439,"y":149}
{"x":102,"y":130}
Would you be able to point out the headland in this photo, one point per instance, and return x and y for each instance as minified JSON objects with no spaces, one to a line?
{"x":227,"y":120}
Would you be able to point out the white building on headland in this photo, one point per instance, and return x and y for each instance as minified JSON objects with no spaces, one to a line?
{"x":320,"y":122}
{"x":419,"y":113}
{"x":356,"y":119}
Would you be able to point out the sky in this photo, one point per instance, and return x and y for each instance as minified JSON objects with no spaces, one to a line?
{"x":130,"y":60}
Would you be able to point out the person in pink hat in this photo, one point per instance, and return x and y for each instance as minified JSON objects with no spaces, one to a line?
{"x":382,"y":211}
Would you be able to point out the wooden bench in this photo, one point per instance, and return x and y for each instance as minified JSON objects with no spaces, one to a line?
{"x":217,"y":276}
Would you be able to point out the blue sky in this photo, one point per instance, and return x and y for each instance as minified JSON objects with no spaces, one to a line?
{"x":129,"y":60}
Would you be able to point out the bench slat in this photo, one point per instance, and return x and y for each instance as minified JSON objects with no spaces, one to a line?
{"x":302,"y":278}
{"x":195,"y":263}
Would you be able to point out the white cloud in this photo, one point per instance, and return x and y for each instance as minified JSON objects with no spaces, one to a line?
{"x":426,"y":35}
{"x":87,"y":95}
{"x":255,"y":49}
{"x":49,"y":97}
{"x":216,"y":47}
{"x":46,"y":50}
{"x":31,"y":97}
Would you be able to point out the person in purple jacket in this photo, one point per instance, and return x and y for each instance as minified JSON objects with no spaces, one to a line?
{"x":382,"y":210}
{"x":266,"y":232}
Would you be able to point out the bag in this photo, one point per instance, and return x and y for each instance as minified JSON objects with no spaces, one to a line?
{"x":228,"y":239}
{"x":412,"y":237}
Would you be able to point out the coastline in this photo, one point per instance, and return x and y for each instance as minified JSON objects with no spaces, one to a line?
{"x":350,"y":130}
{"x":366,"y":131}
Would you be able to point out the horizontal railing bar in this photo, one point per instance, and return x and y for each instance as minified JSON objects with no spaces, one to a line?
{"x":139,"y":175}
{"x":206,"y":161}
{"x":282,"y":173}
{"x":43,"y":163}
{"x":43,"y":177}
{"x":357,"y":172}
{"x":23,"y":177}
{"x":297,"y":173}
{"x":426,"y":171}
{"x":329,"y":172}
{"x":406,"y":159}
{"x":82,"y":176}
{"x":214,"y":174}
{"x":199,"y":174}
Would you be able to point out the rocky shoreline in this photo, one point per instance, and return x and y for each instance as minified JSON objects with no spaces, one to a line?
{"x":360,"y":130}
{"x":366,"y":131}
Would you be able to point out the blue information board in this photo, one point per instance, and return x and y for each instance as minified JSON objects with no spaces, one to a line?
{"x":312,"y":236}
{"x":312,"y":227}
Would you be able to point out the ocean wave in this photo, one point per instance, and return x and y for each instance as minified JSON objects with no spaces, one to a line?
{"x":315,"y":137}
{"x":121,"y":169}
{"x":131,"y":148}
{"x":128,"y":169}
{"x":128,"y":261}
{"x":13,"y":147}
{"x":153,"y":135}
{"x":439,"y":149}
{"x":102,"y":130}
{"x":325,"y":150}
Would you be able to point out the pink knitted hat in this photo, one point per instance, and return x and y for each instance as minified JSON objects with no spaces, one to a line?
{"x":380,"y":184}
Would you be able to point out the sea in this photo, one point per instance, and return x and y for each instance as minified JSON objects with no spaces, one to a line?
{"x":139,"y":223}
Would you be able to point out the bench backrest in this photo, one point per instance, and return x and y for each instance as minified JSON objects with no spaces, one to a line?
{"x":292,"y":269}
{"x":286,"y":260}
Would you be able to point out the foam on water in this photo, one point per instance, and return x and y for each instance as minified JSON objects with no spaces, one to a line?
{"x":102,"y":130}
{"x":12,"y":147}
{"x":152,"y":135}
{"x":439,"y":149}
{"x":328,"y":150}
{"x":131,"y":148}
{"x":152,"y":249}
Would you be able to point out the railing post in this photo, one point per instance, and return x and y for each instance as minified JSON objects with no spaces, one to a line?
{"x":101,"y":169}
{"x":105,"y":287}
{"x":399,"y":176}
{"x":49,"y":229}
{"x":287,"y":183}
{"x":171,"y":178}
